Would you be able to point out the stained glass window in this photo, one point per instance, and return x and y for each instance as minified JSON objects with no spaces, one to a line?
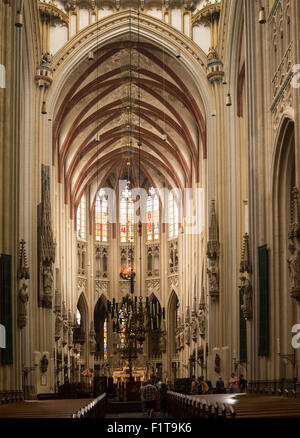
{"x":81,"y":220}
{"x":78,"y":317}
{"x":173,"y":217}
{"x":126,"y":216}
{"x":152,"y":215}
{"x":101,"y":216}
{"x":105,"y":339}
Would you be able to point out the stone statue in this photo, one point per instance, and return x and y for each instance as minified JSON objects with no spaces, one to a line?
{"x":44,"y":364}
{"x":163,"y":342}
{"x":187,"y":333}
{"x":22,"y":305}
{"x":47,"y":282}
{"x":246,"y":290}
{"x":194,"y":329}
{"x":93,"y":342}
{"x":294,"y":270}
{"x":213,"y":279}
{"x":58,"y":326}
{"x":46,"y":59}
{"x":202,"y":323}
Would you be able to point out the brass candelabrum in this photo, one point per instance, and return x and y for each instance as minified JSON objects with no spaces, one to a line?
{"x":132,"y":319}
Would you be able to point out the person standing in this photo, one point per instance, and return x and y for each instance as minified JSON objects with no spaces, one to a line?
{"x":220,"y":386}
{"x":163,"y":399}
{"x":203,"y":385}
{"x":242,"y":383}
{"x":233,"y":384}
{"x":150,"y":395}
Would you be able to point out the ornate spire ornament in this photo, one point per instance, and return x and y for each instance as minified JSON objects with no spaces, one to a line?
{"x":46,"y":242}
{"x":213,"y":248}
{"x":23,"y":296}
{"x":245,"y":286}
{"x":246,"y":291}
{"x":245,"y":265}
{"x":23,"y":270}
{"x":294,"y":229}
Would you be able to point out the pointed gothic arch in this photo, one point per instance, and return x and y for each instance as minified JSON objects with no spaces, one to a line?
{"x":283,"y":182}
{"x":101,"y":328}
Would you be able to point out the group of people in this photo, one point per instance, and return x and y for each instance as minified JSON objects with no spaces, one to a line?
{"x":200,"y":386}
{"x":154,"y":397}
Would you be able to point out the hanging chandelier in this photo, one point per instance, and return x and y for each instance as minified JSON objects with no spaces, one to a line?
{"x":132,"y":319}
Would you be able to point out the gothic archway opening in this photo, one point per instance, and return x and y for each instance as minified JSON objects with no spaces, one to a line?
{"x":101,"y":330}
{"x":155,"y":329}
{"x":286,"y":258}
{"x":173,"y":335}
{"x":80,"y":336}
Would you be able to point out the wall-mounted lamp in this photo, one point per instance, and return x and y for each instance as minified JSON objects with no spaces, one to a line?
{"x":19,"y":19}
{"x":44,"y":108}
{"x":262,"y":15}
{"x":228,"y":100}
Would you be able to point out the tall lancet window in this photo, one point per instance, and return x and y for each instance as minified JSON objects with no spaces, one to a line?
{"x":81,"y":219}
{"x":101,"y":215}
{"x":152,"y":215}
{"x":173,"y":217}
{"x":105,"y":339}
{"x":126,"y":216}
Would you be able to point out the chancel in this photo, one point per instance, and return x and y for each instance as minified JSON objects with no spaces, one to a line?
{"x":149,"y":198}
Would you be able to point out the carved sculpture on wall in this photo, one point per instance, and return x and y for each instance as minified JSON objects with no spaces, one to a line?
{"x":92,"y":342}
{"x":44,"y":72}
{"x":152,"y":260}
{"x":245,"y":265}
{"x":294,"y":270}
{"x":202,"y":323}
{"x":213,"y":248}
{"x":173,"y":257}
{"x":23,"y":296}
{"x":22,"y":305}
{"x":246,"y":289}
{"x":294,"y":247}
{"x":245,"y":286}
{"x":44,"y":364}
{"x":187,"y":334}
{"x":217,"y":364}
{"x":194,"y":329}
{"x":46,"y":243}
{"x":58,"y":325}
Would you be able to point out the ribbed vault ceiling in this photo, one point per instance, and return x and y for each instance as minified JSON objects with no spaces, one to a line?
{"x":131,"y":92}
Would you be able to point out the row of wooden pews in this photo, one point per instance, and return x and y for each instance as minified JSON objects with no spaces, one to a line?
{"x":232,"y":406}
{"x":266,"y":406}
{"x":189,"y":406}
{"x":60,"y":408}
